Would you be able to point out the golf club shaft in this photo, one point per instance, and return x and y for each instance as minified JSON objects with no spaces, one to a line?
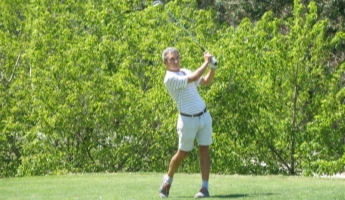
{"x":158,"y":2}
{"x":184,"y":28}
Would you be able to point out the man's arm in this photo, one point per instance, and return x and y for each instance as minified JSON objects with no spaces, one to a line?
{"x":207,"y":80}
{"x":198,"y":73}
{"x":201,"y":70}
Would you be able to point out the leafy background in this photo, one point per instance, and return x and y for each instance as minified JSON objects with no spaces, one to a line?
{"x":82,"y":85}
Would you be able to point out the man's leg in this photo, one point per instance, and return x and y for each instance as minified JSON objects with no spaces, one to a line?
{"x":205,"y":162}
{"x":186,"y":133}
{"x":175,"y":162}
{"x":205,"y":165}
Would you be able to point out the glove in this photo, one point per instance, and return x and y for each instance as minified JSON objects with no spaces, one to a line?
{"x":213,"y":63}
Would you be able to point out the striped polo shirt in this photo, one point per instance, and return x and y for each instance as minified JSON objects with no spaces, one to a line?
{"x":185,"y":94}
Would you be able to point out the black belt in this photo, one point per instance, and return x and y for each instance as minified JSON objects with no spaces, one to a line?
{"x":195,"y":115}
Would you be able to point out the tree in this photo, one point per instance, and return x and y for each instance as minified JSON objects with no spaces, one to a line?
{"x":272,"y":89}
{"x":82,"y":88}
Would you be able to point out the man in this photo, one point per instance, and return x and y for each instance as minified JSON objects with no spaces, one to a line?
{"x":194,"y":122}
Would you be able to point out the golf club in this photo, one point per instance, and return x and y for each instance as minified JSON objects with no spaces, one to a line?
{"x":160,"y":3}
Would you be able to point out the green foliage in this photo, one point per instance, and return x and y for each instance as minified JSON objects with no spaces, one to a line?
{"x":81,"y":89}
{"x":233,"y":12}
{"x":272,"y":89}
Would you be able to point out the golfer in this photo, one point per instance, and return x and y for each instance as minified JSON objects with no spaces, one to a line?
{"x":194,"y":122}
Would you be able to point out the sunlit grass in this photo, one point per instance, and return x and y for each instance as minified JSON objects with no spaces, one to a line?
{"x":141,"y":186}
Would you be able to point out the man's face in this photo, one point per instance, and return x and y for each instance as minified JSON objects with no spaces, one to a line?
{"x":172,"y":61}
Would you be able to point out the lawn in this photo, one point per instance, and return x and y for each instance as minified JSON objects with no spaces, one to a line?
{"x":141,"y":186}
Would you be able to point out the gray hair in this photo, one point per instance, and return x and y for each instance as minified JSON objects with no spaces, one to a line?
{"x":168,"y":50}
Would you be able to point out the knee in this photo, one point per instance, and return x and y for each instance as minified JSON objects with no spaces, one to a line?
{"x":203,"y":150}
{"x":182,"y":154}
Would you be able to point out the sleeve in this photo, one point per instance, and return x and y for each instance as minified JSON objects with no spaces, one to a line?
{"x":176,"y":82}
{"x":187,"y":72}
{"x":197,"y":83}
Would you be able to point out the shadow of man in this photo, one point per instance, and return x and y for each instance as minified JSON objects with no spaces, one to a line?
{"x":230,"y":196}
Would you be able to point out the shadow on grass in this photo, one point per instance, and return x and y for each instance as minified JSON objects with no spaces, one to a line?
{"x":232,"y":196}
{"x":225,"y":196}
{"x":229,"y":196}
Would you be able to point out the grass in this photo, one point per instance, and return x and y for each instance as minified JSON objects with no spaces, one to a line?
{"x":141,"y":186}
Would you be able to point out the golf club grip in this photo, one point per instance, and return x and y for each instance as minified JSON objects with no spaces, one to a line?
{"x":214,"y":61}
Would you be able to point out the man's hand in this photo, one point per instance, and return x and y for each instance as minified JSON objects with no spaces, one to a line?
{"x":207,"y":57}
{"x":213,"y":63}
{"x":210,"y":60}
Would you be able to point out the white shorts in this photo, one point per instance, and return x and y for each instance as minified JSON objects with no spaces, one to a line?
{"x":191,"y":128}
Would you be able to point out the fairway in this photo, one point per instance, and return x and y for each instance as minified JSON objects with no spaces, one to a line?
{"x":120,"y":186}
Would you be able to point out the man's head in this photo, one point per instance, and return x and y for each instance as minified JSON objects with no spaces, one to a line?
{"x":171,"y":59}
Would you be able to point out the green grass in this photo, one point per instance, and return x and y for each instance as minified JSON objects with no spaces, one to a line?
{"x":140,"y":186}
